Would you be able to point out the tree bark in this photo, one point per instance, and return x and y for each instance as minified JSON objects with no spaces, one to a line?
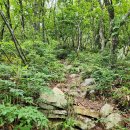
{"x":22,"y":14}
{"x":7,"y":5}
{"x":101,"y":34}
{"x":17,"y":45}
{"x":101,"y":26}
{"x":36,"y":11}
{"x":2,"y":31}
{"x":43,"y":20}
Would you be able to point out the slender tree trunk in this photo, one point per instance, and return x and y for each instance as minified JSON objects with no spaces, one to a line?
{"x":7,"y":5}
{"x":79,"y":38}
{"x":36,"y":11}
{"x":22,"y":14}
{"x":114,"y":38}
{"x":73,"y":42}
{"x":101,"y":33}
{"x":55,"y":26}
{"x":17,"y":45}
{"x":101,"y":26}
{"x":2,"y":31}
{"x":43,"y":20}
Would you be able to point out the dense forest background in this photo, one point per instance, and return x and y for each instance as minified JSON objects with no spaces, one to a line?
{"x":55,"y":52}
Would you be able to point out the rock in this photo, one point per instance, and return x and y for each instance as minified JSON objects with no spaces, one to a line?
{"x":88,"y":88}
{"x":86,"y":112}
{"x":73,"y":75}
{"x":55,"y":98}
{"x":113,"y":120}
{"x":68,"y":67}
{"x":88,"y":82}
{"x":85,"y":123}
{"x":46,"y":106}
{"x":92,"y":91}
{"x":55,"y":114}
{"x":88,"y":91}
{"x":106,"y":110}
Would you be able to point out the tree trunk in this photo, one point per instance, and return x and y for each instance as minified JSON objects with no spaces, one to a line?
{"x":7,"y":5}
{"x":101,"y":33}
{"x":114,"y":38}
{"x":43,"y":20}
{"x":2,"y":31}
{"x":22,"y":14}
{"x":79,"y":38}
{"x":55,"y":26}
{"x":101,"y":26}
{"x":36,"y":11}
{"x":17,"y":45}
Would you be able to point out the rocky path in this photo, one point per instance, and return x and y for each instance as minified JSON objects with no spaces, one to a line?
{"x":69,"y":99}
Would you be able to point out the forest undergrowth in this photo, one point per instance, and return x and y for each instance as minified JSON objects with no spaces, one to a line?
{"x":20,"y":84}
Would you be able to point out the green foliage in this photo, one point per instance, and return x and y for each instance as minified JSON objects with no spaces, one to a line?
{"x":22,"y":84}
{"x":25,"y":116}
{"x":6,"y":71}
{"x":68,"y":124}
{"x":75,"y":24}
{"x":104,"y":78}
{"x":122,"y":97}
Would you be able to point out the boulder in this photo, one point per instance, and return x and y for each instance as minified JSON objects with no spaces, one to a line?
{"x":85,"y":123}
{"x":54,"y":98}
{"x":88,"y":82}
{"x":55,"y":114}
{"x":113,"y":120}
{"x":86,"y":112}
{"x":106,"y":110}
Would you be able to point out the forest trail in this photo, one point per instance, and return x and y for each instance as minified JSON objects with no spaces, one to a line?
{"x":85,"y":110}
{"x":72,"y":86}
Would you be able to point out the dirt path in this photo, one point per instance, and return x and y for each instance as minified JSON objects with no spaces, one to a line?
{"x":72,"y":87}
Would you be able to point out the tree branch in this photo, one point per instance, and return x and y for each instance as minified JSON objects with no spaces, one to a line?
{"x":124,"y":18}
{"x":17,"y":45}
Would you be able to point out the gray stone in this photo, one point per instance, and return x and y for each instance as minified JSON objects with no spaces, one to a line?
{"x":88,"y":82}
{"x":92,"y":91}
{"x":55,"y":114}
{"x":85,"y":123}
{"x":68,"y":67}
{"x":55,"y":98}
{"x":86,"y":111}
{"x":113,"y":120}
{"x":106,"y":110}
{"x":73,"y":75}
{"x":46,"y":106}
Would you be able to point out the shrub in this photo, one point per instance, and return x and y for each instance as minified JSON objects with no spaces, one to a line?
{"x":24,"y":116}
